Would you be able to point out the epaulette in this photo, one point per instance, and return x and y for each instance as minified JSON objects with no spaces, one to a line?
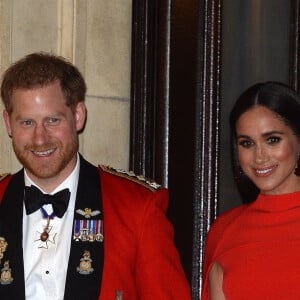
{"x":4,"y":175}
{"x":140,"y":179}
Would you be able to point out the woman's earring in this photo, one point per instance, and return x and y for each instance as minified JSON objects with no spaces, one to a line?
{"x":297,"y":169}
{"x":239,"y":174}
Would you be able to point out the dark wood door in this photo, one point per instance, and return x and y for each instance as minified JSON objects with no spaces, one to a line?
{"x":175,"y":111}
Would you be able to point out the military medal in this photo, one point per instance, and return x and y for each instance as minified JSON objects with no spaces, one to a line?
{"x":44,"y":237}
{"x":88,"y":230}
{"x":45,"y":234}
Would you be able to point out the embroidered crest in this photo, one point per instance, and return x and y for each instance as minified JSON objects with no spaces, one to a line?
{"x":146,"y":182}
{"x":85,"y":265}
{"x":88,"y":212}
{"x":3,"y":246}
{"x":5,"y":277}
{"x":88,"y":230}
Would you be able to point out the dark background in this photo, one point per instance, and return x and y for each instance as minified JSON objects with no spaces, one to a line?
{"x":190,"y":61}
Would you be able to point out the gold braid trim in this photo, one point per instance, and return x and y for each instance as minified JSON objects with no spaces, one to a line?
{"x":4,"y":175}
{"x":140,"y":179}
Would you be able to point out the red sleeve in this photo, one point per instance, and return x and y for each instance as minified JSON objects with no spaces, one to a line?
{"x":159,"y":272}
{"x":140,"y":257}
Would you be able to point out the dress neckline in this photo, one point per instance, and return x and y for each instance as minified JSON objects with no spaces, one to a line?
{"x":277,"y":202}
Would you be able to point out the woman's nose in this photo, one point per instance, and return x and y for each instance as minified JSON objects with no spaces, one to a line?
{"x":260,"y":155}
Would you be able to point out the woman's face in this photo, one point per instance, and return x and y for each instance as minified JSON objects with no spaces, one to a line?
{"x":268,"y":151}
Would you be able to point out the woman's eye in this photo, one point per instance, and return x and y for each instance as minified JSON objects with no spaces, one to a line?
{"x":245,"y":143}
{"x":273,"y":140}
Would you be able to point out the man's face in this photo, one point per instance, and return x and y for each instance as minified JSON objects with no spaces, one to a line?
{"x":44,"y":132}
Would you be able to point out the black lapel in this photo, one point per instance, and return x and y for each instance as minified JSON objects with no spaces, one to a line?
{"x":11,"y":215}
{"x":78,"y":285}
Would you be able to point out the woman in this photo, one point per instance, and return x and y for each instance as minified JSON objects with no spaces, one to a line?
{"x":253,"y":251}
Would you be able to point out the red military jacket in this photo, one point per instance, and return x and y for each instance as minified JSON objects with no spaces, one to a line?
{"x":136,"y":260}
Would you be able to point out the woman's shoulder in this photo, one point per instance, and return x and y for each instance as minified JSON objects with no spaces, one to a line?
{"x":230,"y":215}
{"x":231,"y":218}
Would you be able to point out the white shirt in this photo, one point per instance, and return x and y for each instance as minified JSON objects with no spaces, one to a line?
{"x":46,"y":263}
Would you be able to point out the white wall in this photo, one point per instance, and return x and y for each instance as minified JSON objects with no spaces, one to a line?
{"x":96,"y":36}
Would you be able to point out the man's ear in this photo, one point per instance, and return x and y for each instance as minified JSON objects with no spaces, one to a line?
{"x":80,"y":116}
{"x":7,"y":122}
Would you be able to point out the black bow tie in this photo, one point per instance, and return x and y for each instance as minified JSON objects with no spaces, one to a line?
{"x":35,"y":199}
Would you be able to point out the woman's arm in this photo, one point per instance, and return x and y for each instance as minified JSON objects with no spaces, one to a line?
{"x":216,"y":282}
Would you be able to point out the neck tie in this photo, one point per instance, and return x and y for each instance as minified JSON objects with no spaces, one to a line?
{"x":35,"y":199}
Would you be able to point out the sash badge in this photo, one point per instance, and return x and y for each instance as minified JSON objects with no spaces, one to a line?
{"x":5,"y":277}
{"x":85,"y":265}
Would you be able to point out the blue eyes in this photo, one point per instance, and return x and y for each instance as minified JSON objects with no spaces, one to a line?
{"x":26,"y":123}
{"x":53,"y":120}
{"x":47,"y":122}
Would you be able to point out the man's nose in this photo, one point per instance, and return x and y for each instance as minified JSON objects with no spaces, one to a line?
{"x":40,"y":134}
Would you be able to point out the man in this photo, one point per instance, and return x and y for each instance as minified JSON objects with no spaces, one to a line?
{"x":103,"y":233}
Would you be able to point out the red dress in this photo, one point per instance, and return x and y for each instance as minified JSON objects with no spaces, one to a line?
{"x":258,"y":247}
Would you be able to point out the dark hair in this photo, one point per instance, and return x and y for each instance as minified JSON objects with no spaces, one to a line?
{"x":40,"y":69}
{"x":277,"y":97}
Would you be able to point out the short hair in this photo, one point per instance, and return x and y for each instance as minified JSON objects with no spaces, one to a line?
{"x":282,"y":101}
{"x":40,"y":69}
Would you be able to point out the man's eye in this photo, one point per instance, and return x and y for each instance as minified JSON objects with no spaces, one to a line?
{"x":245,"y":143}
{"x":53,"y":121}
{"x":26,"y":123}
